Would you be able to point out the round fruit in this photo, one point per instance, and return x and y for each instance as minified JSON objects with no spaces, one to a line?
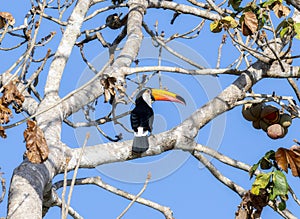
{"x":276,"y":131}
{"x":270,"y":114}
{"x":256,"y":124}
{"x":285,"y":120}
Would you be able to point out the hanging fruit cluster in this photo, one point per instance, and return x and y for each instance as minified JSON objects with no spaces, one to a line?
{"x":268,"y":118}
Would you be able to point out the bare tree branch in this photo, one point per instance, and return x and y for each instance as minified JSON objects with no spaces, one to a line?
{"x":136,"y":197}
{"x":99,"y":182}
{"x":66,"y":45}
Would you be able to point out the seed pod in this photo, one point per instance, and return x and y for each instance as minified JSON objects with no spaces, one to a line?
{"x":276,"y":131}
{"x":285,"y":120}
{"x":264,"y":126}
{"x":256,"y":109}
{"x":270,"y":114}
{"x":246,"y":112}
{"x":256,"y":124}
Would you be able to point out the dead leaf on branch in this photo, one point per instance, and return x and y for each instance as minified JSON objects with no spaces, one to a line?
{"x":5,"y":113}
{"x":12,"y":94}
{"x":2,"y":132}
{"x":280,"y":10}
{"x":109,"y":89}
{"x":6,"y":18}
{"x":252,"y":205}
{"x":249,"y":23}
{"x":37,"y":148}
{"x":289,"y":158}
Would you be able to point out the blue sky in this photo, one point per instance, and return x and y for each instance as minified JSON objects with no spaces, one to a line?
{"x":188,"y":188}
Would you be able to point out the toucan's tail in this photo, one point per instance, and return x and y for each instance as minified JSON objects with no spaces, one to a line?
{"x":140,"y":144}
{"x":140,"y":141}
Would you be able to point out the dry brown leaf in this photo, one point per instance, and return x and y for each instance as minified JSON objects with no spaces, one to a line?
{"x":280,"y":10}
{"x":12,"y":94}
{"x":2,"y":22}
{"x":37,"y":148}
{"x":281,"y":159}
{"x":109,"y":89}
{"x":252,"y":205}
{"x":289,"y":158}
{"x":249,"y":24}
{"x":5,"y":113}
{"x":2,"y":132}
{"x":245,"y":30}
{"x":6,"y":18}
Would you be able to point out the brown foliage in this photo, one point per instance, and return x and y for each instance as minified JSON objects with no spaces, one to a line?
{"x":6,"y":18}
{"x":249,"y":23}
{"x":12,"y":94}
{"x":109,"y":89}
{"x":5,"y":113}
{"x":37,"y":148}
{"x":289,"y":158}
{"x":252,"y":205}
{"x":2,"y":132}
{"x":280,"y":10}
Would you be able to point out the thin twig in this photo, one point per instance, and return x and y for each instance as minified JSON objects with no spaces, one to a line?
{"x":233,"y":186}
{"x":295,"y":87}
{"x":226,"y":181}
{"x":63,"y":204}
{"x":37,"y":72}
{"x":220,"y":50}
{"x":58,"y":102}
{"x":136,"y":197}
{"x":98,"y":181}
{"x":170,"y":50}
{"x":3,"y":185}
{"x":75,"y":173}
{"x":58,"y":202}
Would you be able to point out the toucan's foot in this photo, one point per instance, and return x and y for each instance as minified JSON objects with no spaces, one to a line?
{"x":135,"y":154}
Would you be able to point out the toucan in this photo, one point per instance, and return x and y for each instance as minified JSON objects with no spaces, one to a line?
{"x":142,"y":115}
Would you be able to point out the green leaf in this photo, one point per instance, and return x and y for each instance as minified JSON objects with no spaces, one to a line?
{"x":269,"y":3}
{"x":270,"y":155}
{"x":265,"y":162}
{"x":235,"y":4}
{"x":282,"y":205}
{"x":231,"y":21}
{"x":215,"y":26}
{"x":253,"y":169}
{"x":282,"y":24}
{"x":297,"y":30}
{"x":284,"y":31}
{"x":261,"y":182}
{"x":280,"y":183}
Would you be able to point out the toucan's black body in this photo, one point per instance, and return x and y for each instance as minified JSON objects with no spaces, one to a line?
{"x":141,"y":115}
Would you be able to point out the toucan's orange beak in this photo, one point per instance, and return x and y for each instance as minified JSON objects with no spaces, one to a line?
{"x":164,"y":95}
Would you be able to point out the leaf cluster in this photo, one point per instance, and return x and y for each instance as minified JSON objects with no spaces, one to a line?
{"x":273,"y":183}
{"x":11,"y":95}
{"x":253,"y":17}
{"x":36,"y":147}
